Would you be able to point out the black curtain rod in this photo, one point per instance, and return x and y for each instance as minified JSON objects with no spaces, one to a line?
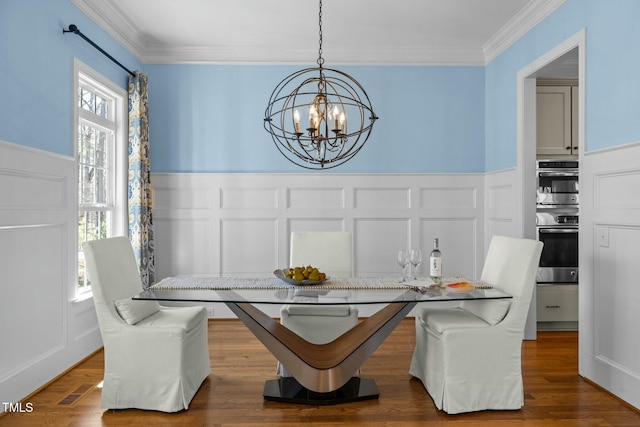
{"x":75,"y":30}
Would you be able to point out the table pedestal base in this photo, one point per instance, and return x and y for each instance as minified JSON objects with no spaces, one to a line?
{"x":287,"y":389}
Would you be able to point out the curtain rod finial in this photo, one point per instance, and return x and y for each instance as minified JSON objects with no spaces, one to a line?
{"x":72,"y":29}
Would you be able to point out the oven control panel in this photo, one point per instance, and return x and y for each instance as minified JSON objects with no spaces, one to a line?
{"x":551,"y":218}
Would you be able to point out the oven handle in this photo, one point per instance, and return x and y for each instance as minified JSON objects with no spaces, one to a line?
{"x":549,"y":174}
{"x":557,"y":230}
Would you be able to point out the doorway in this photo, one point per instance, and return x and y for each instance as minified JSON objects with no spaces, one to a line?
{"x":564,"y":61}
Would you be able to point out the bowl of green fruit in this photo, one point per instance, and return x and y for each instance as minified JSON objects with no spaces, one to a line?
{"x":302,"y":275}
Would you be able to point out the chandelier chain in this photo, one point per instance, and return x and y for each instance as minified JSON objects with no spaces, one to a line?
{"x":320,"y":59}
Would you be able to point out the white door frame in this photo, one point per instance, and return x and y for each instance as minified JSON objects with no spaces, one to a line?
{"x":526,"y":142}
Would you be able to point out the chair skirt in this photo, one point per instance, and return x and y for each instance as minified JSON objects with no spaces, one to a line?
{"x":459,"y":380}
{"x":165,"y":370}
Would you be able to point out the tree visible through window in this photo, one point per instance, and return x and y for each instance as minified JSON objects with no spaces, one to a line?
{"x":99,"y":158}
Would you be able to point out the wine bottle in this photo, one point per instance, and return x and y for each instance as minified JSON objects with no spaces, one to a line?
{"x":435,"y":263}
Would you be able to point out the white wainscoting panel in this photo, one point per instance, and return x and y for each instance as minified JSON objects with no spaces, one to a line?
{"x":50,"y":189}
{"x":311,"y":198}
{"x":193,"y":233}
{"x":503,"y":215}
{"x":616,"y":283}
{"x":44,"y":330}
{"x":451,"y":198}
{"x":375,"y":198}
{"x":316,"y":224}
{"x":32,"y":274}
{"x":609,"y":291}
{"x":377,"y":244}
{"x":239,"y":224}
{"x":614,"y":189}
{"x":500,"y":206}
{"x":248,"y":246}
{"x":248,"y":198}
{"x":459,"y":238}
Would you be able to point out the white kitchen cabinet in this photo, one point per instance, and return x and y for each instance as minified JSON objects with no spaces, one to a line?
{"x":557,"y":306}
{"x":557,"y":121}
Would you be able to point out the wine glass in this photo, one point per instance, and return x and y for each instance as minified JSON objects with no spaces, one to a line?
{"x":416,"y":259}
{"x":403,"y":261}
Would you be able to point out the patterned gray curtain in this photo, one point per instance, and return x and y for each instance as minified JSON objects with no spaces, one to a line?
{"x":140,"y":203}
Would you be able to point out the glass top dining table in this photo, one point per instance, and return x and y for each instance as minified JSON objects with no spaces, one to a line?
{"x":356,"y":291}
{"x":322,"y":373}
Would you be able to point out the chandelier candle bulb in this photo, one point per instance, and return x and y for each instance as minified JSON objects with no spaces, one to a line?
{"x":296,"y":120}
{"x":312,"y":116}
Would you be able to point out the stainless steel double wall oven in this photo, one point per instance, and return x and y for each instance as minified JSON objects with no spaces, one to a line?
{"x":557,"y":218}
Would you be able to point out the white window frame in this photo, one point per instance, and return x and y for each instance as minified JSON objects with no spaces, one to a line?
{"x":117,"y":200}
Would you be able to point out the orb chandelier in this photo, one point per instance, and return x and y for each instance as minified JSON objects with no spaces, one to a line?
{"x":340,"y":115}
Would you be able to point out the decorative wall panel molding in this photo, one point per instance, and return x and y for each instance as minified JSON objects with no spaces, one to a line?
{"x":616,"y":189}
{"x":248,"y":198}
{"x":615,"y":275}
{"x":610,"y":243}
{"x":47,"y":332}
{"x":239,"y":224}
{"x":382,"y":198}
{"x":32,"y":273}
{"x":452,"y":198}
{"x":311,"y":198}
{"x":500,"y":212}
{"x":49,"y":190}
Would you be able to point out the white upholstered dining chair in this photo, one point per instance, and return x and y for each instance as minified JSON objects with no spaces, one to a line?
{"x":332,"y":253}
{"x":469,"y":357}
{"x":155,"y":357}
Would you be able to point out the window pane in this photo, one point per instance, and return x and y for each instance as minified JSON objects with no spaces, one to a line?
{"x":88,"y":187}
{"x":101,"y":148}
{"x":82,"y":276}
{"x":92,"y":225}
{"x":79,"y":144}
{"x":87,"y":145}
{"x":80,"y":184}
{"x":93,"y":183}
{"x":101,"y":179}
{"x":96,"y":225}
{"x":82,"y":237}
{"x":94,"y":103}
{"x":82,"y":228}
{"x":102,"y":107}
{"x":87,"y":100}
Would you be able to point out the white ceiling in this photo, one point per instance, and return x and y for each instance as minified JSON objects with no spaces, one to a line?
{"x":466,"y":32}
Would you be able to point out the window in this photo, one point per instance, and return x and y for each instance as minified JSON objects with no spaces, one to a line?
{"x":100,"y":146}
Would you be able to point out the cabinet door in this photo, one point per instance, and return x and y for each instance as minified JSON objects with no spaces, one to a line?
{"x":553,"y":112}
{"x":557,"y":303}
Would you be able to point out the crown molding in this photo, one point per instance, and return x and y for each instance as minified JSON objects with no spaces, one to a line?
{"x":260,"y":55}
{"x":530,"y":16}
{"x":103,"y":14}
{"x":125,"y":33}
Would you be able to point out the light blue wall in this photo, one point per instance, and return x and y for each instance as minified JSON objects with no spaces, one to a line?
{"x":612,"y":83}
{"x":209,"y":118}
{"x":36,"y":70}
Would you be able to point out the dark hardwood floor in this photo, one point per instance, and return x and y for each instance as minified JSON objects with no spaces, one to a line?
{"x":555,"y":395}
